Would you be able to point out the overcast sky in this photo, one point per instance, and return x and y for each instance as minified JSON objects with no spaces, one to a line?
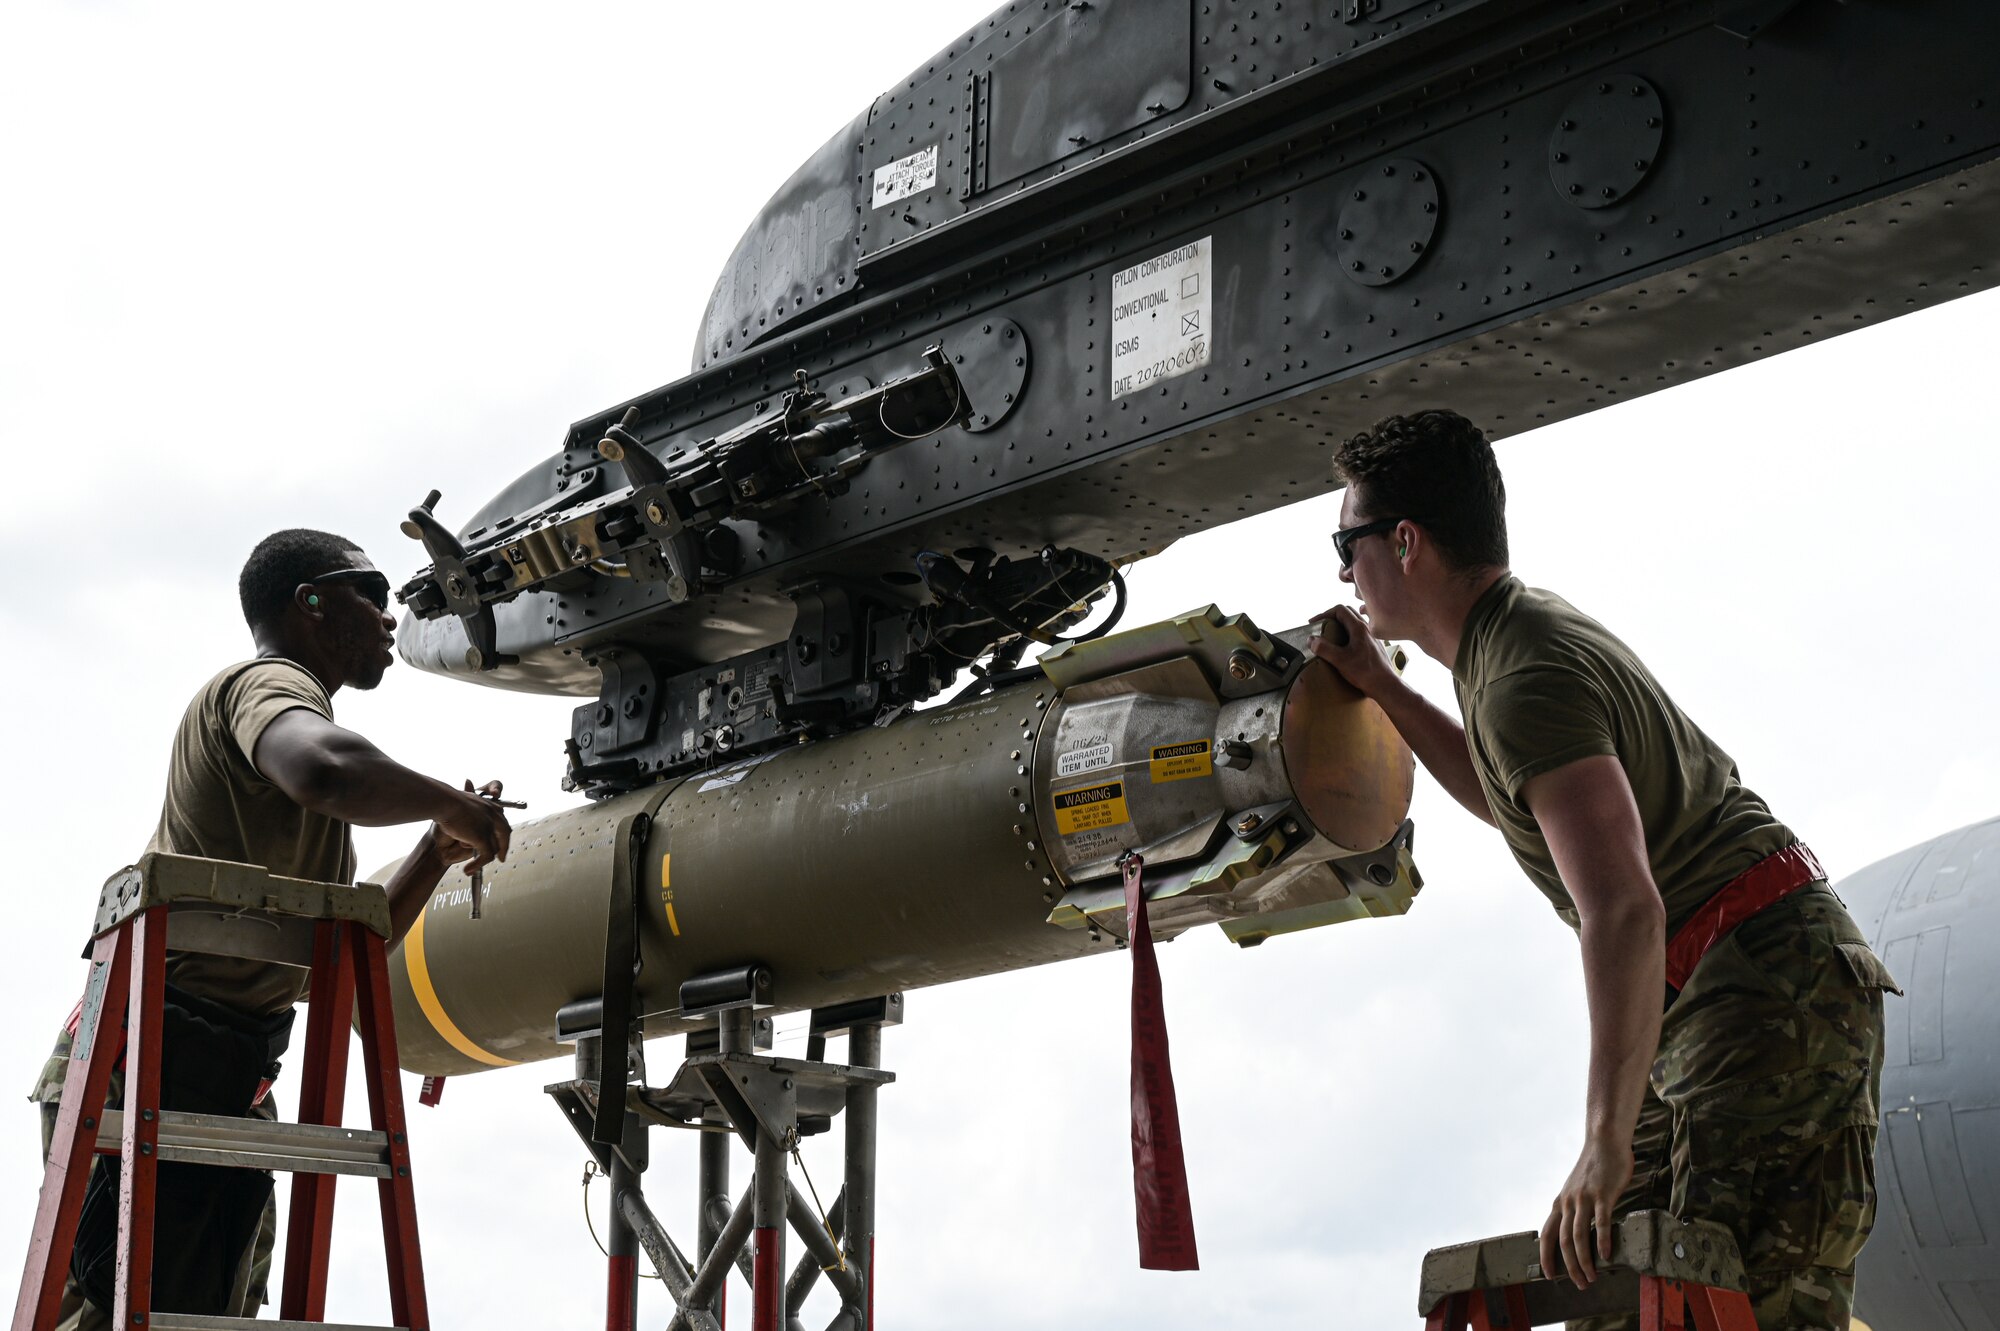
{"x":267,"y":266}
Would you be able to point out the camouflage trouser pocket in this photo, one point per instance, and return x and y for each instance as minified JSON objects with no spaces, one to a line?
{"x":1864,"y":968}
{"x":1847,"y":1196}
{"x":1786,"y":1160}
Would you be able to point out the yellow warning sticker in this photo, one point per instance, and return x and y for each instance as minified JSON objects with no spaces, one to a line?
{"x":1179,"y":762}
{"x":1091,"y":807}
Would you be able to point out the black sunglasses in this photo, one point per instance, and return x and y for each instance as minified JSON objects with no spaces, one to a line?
{"x":370,"y":582}
{"x":1344,"y":539}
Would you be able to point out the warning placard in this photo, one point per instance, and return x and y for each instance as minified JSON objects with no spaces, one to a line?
{"x":906,"y":176}
{"x":1089,"y":807}
{"x":1179,"y":762}
{"x":1160,"y":317}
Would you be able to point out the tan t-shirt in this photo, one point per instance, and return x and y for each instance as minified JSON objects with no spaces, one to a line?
{"x":220,"y":807}
{"x":1541,"y":685}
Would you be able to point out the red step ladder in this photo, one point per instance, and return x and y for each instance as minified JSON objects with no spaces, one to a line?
{"x":211,"y":906}
{"x":1682,"y":1275}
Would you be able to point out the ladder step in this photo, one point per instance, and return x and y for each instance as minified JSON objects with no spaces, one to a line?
{"x":197,"y":1322}
{"x":255,"y":1143}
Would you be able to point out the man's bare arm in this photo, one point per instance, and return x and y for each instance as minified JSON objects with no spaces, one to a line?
{"x":335,"y":772}
{"x":1435,"y":737}
{"x":1591,"y":822}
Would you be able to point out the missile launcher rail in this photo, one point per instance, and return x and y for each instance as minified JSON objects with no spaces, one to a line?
{"x":854,"y":656}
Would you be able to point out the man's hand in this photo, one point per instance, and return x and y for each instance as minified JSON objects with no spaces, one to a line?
{"x":1438,"y":740}
{"x":1360,"y":660}
{"x":473,"y":830}
{"x":1586,"y":1200}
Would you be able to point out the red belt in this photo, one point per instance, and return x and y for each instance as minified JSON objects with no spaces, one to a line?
{"x":1769,"y":880}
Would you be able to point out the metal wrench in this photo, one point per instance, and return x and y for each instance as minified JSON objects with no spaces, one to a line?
{"x":479,"y":874}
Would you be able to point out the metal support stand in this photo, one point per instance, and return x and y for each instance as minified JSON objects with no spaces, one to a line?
{"x":712,"y":1209}
{"x":621,"y":1303}
{"x":726,"y":1087}
{"x":864,"y":1050}
{"x":767,"y":1240}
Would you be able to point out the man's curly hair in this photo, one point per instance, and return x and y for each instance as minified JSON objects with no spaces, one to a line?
{"x":1436,"y":469}
{"x":282,"y":561}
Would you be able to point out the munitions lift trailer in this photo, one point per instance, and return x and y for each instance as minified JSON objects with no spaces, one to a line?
{"x":726,"y":1087}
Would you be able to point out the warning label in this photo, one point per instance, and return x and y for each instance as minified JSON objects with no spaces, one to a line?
{"x":1160,"y":317}
{"x":906,"y":176}
{"x":1091,"y":807}
{"x":1087,"y":759}
{"x":1179,"y":762}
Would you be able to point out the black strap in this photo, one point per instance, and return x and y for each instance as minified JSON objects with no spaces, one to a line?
{"x":621,"y":978}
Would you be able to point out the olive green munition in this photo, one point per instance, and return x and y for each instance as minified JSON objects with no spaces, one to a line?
{"x":1265,"y":795}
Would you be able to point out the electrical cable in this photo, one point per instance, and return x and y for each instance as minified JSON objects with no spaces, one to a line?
{"x":1117,"y":611}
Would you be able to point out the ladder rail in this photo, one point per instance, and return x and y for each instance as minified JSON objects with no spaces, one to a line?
{"x":385,"y":1109}
{"x":138,"y":1166}
{"x":86,"y":1082}
{"x":323,"y":1087}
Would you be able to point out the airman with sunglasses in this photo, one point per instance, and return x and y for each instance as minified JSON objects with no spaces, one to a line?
{"x":1753,"y":1101}
{"x":261,"y":774}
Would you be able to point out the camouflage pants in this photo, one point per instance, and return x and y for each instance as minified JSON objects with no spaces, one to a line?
{"x":1764,"y":1104}
{"x":253,"y":1272}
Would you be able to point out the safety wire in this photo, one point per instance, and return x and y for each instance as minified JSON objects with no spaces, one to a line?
{"x":882,"y":412}
{"x":839,"y":1253}
{"x":590,"y":1171}
{"x":817,"y":481}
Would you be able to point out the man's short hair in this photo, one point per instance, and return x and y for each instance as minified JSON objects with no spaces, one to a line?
{"x":282,"y":561}
{"x":1436,"y":469}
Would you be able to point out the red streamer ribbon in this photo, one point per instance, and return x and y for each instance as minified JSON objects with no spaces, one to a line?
{"x":1159,"y":1168}
{"x":431,"y":1091}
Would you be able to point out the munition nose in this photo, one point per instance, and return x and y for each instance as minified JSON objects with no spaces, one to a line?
{"x":1350,"y":770}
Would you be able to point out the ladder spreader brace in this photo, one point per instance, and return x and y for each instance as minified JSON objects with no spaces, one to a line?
{"x":339,"y":931}
{"x":726,"y":1087}
{"x":1664,"y":1267}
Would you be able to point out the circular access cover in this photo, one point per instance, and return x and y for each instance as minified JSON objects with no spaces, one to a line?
{"x":991,"y":356}
{"x":1607,"y":140}
{"x":1388,"y":223}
